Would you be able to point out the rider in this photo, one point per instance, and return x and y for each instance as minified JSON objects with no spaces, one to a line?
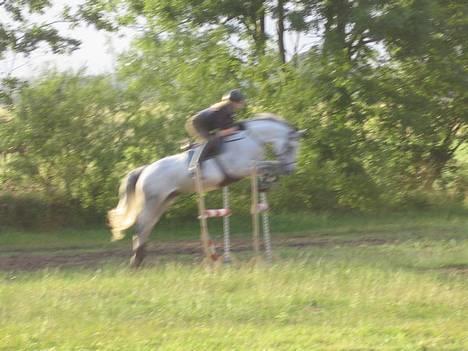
{"x":213,"y":123}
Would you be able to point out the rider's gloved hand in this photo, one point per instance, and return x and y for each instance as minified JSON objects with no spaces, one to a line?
{"x":227,"y":131}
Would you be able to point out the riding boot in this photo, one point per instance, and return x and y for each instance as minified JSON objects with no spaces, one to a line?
{"x":211,"y":148}
{"x":208,"y":150}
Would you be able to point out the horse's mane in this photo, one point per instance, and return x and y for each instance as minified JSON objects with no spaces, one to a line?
{"x":266,"y":116}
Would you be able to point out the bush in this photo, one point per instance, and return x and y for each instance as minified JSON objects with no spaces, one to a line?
{"x":29,"y":211}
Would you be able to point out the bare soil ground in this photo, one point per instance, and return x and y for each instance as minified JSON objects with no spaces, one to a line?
{"x":22,"y":260}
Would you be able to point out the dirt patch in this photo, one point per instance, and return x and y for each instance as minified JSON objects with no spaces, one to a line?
{"x":35,"y":260}
{"x":456,"y":269}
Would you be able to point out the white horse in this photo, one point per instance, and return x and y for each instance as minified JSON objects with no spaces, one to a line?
{"x":148,"y":191}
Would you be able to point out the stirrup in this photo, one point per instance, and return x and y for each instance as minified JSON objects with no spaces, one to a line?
{"x":193,"y":170}
{"x":195,"y":161}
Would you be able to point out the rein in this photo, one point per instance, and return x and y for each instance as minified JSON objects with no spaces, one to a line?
{"x":279,"y":156}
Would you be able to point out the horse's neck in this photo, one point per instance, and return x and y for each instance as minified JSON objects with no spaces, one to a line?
{"x":246,"y":146}
{"x":266,"y":131}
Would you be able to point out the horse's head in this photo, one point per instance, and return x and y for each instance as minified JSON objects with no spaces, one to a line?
{"x":283,"y":137}
{"x":286,"y":151}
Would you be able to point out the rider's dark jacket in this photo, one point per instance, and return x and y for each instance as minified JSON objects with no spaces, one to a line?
{"x":217,"y":117}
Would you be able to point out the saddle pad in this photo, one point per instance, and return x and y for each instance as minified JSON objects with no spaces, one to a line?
{"x":216,"y":150}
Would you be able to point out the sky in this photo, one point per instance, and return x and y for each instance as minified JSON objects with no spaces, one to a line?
{"x":97,"y":52}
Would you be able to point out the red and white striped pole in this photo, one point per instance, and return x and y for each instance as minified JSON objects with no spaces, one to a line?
{"x":214,"y":213}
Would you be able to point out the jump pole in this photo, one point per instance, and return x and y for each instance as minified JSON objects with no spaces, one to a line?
{"x":208,"y":246}
{"x":263,"y":208}
{"x":266,"y":227}
{"x":226,"y":227}
{"x":257,"y":207}
{"x":254,"y":212}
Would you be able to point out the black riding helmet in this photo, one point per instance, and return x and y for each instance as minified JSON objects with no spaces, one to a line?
{"x":234,"y":96}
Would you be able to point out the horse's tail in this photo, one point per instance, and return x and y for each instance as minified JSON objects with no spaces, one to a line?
{"x":124,"y":215}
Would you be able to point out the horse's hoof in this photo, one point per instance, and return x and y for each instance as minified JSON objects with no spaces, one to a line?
{"x":135,"y":263}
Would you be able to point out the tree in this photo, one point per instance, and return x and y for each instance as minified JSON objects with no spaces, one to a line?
{"x":20,"y":34}
{"x":245,"y":19}
{"x":23,"y":30}
{"x":280,"y":30}
{"x":383,"y":95}
{"x":64,"y":137}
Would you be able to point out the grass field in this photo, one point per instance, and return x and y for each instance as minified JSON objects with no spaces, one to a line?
{"x":393,"y":283}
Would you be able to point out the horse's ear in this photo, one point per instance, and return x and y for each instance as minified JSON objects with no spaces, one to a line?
{"x":301,"y":133}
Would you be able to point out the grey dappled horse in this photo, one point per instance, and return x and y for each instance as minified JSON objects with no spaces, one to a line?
{"x":148,"y":191}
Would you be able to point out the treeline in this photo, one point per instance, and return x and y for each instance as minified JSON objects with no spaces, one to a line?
{"x":383,"y":93}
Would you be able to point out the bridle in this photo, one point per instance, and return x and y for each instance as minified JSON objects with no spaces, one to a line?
{"x":281,"y":156}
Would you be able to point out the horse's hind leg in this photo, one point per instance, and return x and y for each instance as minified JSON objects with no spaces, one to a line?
{"x":147,"y":219}
{"x":145,"y":223}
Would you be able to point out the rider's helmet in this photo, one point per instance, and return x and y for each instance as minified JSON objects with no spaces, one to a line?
{"x":234,"y":96}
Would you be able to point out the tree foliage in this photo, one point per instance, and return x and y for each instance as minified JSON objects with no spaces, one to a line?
{"x":27,"y":25}
{"x":383,"y":94}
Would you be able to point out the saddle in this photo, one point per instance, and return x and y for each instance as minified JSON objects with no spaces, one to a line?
{"x":198,"y":153}
{"x":204,"y":151}
{"x":212,"y":148}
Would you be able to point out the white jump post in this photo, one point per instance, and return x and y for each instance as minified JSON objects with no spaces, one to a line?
{"x":266,"y":226}
{"x":226,"y":227}
{"x":254,"y":212}
{"x":256,"y":208}
{"x":209,"y":247}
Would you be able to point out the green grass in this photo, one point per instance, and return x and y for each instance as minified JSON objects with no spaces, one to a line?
{"x":392,"y":297}
{"x":408,"y":293}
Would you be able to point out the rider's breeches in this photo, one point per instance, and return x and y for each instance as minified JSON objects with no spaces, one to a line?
{"x":197,"y":129}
